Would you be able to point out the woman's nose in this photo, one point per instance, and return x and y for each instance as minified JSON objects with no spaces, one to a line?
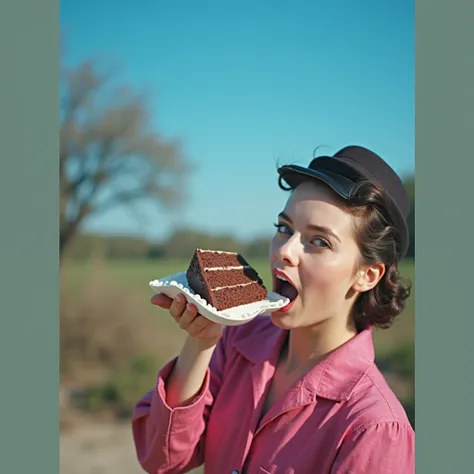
{"x":288,"y":252}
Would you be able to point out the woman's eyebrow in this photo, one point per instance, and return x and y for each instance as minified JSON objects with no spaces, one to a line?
{"x":318,"y":228}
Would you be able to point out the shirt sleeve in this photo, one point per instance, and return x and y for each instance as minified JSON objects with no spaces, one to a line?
{"x":381,"y":448}
{"x":170,"y":440}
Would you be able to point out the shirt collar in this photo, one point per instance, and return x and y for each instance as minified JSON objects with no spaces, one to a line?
{"x":333,"y":378}
{"x":340,"y":372}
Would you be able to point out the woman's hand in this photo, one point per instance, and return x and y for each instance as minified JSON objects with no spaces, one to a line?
{"x":201,"y":329}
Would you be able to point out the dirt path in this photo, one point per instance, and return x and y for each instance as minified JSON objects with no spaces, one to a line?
{"x":98,"y":449}
{"x":105,"y":448}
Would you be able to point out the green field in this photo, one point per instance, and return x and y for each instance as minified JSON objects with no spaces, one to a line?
{"x":113,"y":340}
{"x":133,"y":277}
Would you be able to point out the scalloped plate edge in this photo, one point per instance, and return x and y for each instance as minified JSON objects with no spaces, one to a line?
{"x":177,"y":283}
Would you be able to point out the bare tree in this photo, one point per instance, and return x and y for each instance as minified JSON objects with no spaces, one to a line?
{"x":110,"y":151}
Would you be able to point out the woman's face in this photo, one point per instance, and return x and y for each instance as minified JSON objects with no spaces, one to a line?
{"x":314,"y":248}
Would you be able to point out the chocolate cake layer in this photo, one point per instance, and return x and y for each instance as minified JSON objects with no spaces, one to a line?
{"x":224,"y":279}
{"x":237,"y":295}
{"x":195,"y":276}
{"x":220,"y":278}
{"x":210,"y":259}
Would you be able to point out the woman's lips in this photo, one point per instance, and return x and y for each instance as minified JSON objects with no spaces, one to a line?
{"x":281,"y":275}
{"x":287,"y":308}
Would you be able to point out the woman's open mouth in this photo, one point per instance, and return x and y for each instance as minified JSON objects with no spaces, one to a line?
{"x":284,"y":287}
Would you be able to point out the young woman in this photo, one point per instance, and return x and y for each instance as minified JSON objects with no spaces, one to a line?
{"x":297,"y":391}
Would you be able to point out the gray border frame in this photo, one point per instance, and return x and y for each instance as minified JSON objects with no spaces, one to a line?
{"x":29,"y":360}
{"x":444,"y":168}
{"x":29,"y":338}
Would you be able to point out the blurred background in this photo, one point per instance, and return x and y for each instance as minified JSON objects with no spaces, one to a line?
{"x":174,"y":116}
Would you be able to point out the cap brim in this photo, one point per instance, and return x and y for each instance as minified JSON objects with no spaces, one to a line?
{"x":293,"y":175}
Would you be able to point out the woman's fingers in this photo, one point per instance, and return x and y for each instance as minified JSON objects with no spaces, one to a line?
{"x":188,"y":316}
{"x":198,"y":326}
{"x":191,"y":321}
{"x":177,"y":306}
{"x":162,"y":301}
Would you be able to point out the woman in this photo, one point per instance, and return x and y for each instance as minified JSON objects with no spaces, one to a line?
{"x":297,"y":391}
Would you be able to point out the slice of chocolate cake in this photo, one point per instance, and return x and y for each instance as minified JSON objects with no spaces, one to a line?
{"x":224,"y":279}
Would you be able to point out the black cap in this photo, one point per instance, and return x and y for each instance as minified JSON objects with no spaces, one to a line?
{"x":344,"y":170}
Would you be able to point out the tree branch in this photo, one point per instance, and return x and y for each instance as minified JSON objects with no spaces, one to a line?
{"x":103,"y":142}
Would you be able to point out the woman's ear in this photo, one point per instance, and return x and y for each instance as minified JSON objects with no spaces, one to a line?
{"x":368,"y":277}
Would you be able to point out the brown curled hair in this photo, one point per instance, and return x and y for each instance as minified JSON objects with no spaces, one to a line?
{"x":379,"y":242}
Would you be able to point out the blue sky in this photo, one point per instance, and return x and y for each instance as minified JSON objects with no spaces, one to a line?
{"x":245,"y":83}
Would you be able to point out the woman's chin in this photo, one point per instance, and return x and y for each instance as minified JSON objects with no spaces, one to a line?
{"x":284,"y":319}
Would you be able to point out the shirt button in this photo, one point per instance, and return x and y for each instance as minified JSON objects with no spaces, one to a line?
{"x":235,"y":471}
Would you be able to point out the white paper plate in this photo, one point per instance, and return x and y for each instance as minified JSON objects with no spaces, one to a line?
{"x":178,"y":283}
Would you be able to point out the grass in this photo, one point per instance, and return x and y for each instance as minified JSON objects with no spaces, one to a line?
{"x":134,"y":277}
{"x":113,"y":340}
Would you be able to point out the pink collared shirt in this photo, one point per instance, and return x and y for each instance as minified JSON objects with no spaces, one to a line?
{"x":340,"y":418}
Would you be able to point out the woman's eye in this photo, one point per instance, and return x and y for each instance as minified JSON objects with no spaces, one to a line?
{"x":320,"y":243}
{"x":282,"y":228}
